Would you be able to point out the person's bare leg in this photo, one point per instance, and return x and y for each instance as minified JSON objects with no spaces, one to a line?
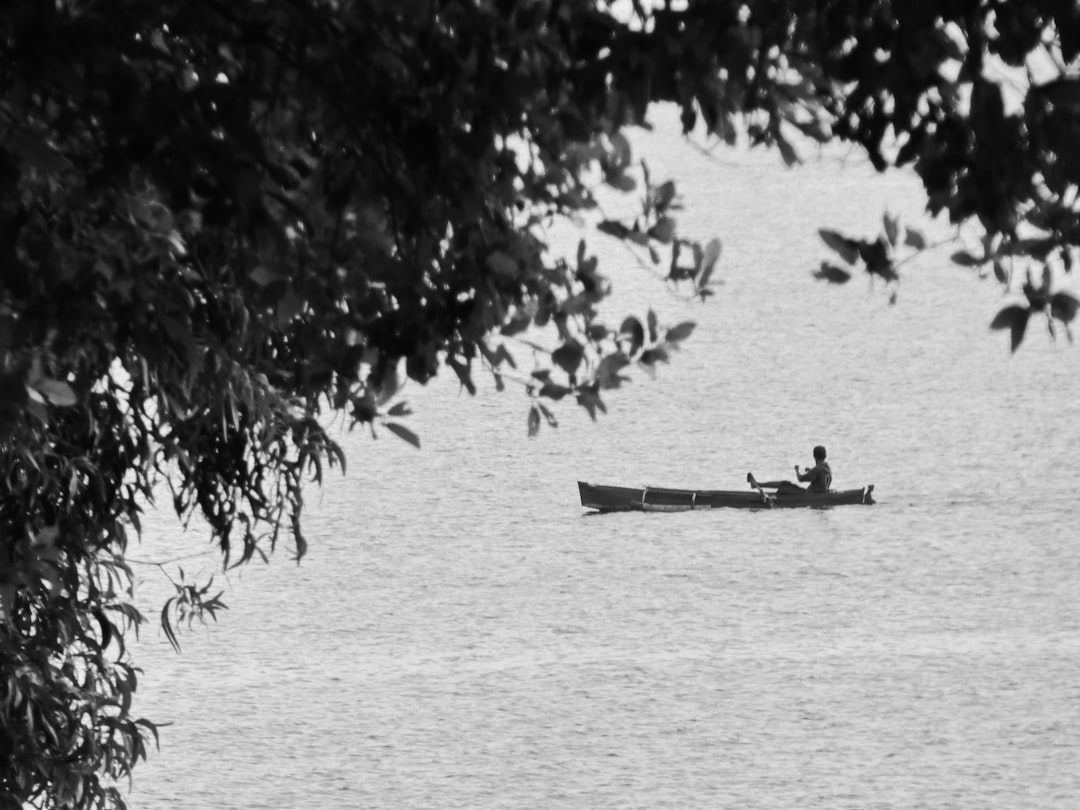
{"x":777,"y":485}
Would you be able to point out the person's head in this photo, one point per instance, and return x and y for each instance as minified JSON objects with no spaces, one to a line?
{"x":819,"y":453}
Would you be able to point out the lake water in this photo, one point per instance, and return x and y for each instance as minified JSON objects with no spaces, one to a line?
{"x":462,"y":635}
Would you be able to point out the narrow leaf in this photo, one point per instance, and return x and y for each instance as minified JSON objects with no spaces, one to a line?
{"x":847,"y":248}
{"x":613,"y":228}
{"x":534,"y":421}
{"x":1000,"y":273}
{"x":680,"y":332}
{"x":548,"y":415}
{"x":892,"y":230}
{"x":965,"y":259}
{"x":709,"y":258}
{"x":404,"y":433}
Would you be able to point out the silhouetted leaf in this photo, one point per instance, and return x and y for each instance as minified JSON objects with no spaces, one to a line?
{"x":663,"y":231}
{"x":832,"y":274}
{"x":787,"y":151}
{"x":553,"y":391}
{"x":568,"y":356}
{"x":665,"y":193}
{"x":848,"y":249}
{"x":597,"y":331}
{"x":651,"y":320}
{"x":709,"y":258}
{"x":463,"y":374}
{"x":965,"y":259}
{"x":1014,"y":318}
{"x":632,"y":328}
{"x":892,"y":229}
{"x":623,"y":153}
{"x":613,"y":228}
{"x":680,"y":332}
{"x":404,"y":433}
{"x":1064,"y":306}
{"x":607,"y":373}
{"x":915,"y":239}
{"x":589,"y":399}
{"x":618,"y":179}
{"x":400,"y":409}
{"x":534,"y":421}
{"x":1000,"y":273}
{"x":651,"y":356}
{"x":549,"y":417}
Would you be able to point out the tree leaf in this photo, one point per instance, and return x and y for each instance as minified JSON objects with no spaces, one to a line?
{"x":1004,"y":319}
{"x":650,"y":357}
{"x":1000,"y":273}
{"x":549,"y":417}
{"x":632,"y":328}
{"x":680,"y":332}
{"x":664,"y":194}
{"x":709,"y":258}
{"x":892,"y":230}
{"x":787,"y":151}
{"x":400,"y":409}
{"x":847,"y":248}
{"x":553,"y":391}
{"x":534,"y":421}
{"x":1064,"y":306}
{"x":832,"y":274}
{"x":1014,"y":318}
{"x":404,"y":433}
{"x":966,"y":259}
{"x":915,"y":239}
{"x":58,"y":392}
{"x":651,"y":321}
{"x":568,"y":357}
{"x":663,"y":231}
{"x":589,"y":399}
{"x":613,"y":228}
{"x":607,"y":373}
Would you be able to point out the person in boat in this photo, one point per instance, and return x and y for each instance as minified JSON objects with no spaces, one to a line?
{"x":819,"y":477}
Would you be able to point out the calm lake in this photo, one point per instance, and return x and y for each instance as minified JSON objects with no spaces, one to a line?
{"x":462,"y":634}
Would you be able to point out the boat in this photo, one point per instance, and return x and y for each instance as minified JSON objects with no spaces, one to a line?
{"x":605,"y":498}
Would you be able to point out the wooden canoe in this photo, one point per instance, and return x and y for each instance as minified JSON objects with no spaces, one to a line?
{"x":658,"y":499}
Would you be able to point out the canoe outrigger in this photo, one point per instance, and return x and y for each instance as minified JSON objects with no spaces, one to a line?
{"x":658,"y":499}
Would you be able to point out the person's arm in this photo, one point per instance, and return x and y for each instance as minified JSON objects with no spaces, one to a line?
{"x":810,"y":475}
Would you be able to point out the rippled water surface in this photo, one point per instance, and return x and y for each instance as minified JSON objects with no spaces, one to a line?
{"x":463,"y":635}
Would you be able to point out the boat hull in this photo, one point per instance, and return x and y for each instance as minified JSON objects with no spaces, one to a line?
{"x":658,"y":499}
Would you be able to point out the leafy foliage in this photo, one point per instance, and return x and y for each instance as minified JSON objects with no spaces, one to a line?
{"x":223,"y":220}
{"x":989,"y":119}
